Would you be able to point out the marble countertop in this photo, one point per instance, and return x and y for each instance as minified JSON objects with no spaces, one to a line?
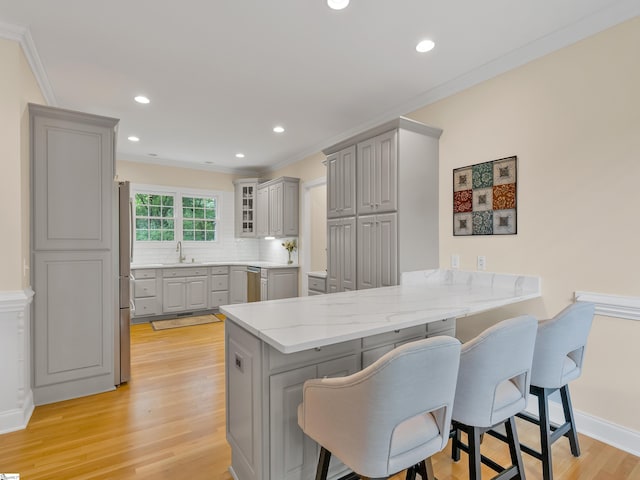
{"x":318,"y":273}
{"x":296,"y":324}
{"x":138,"y":266}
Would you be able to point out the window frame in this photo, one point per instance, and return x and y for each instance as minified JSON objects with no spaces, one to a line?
{"x":178,"y":193}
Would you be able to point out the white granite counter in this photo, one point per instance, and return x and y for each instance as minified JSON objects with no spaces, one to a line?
{"x":302,"y":323}
{"x":256,"y":263}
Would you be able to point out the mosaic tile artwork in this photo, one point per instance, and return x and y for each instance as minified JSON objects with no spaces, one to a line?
{"x":484,"y":198}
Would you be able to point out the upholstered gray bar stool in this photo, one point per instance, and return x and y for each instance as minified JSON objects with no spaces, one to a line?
{"x":391,"y":416}
{"x":557,"y":360}
{"x":493,"y":382}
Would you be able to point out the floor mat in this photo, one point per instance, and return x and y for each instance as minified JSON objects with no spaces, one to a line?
{"x":186,"y":321}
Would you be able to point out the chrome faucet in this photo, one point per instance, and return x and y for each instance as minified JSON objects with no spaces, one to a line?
{"x":181,"y":258}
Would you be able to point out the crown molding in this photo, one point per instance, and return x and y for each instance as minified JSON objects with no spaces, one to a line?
{"x":22,"y":35}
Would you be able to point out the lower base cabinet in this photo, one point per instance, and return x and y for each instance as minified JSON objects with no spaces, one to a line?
{"x":264,"y":389}
{"x":294,"y":456}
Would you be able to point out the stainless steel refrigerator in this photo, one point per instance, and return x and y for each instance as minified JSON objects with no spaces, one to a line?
{"x":125,"y":217}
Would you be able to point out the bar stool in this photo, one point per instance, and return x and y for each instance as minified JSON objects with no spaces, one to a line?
{"x":493,"y":381}
{"x":557,"y":360}
{"x":391,"y":416}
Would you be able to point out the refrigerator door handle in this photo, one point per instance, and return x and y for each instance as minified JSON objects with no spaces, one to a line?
{"x":131,"y":229}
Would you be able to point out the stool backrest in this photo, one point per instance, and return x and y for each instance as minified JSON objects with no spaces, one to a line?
{"x":355,"y":417}
{"x":502,"y":353}
{"x":560,"y":344}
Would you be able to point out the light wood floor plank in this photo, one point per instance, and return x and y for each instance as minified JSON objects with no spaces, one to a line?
{"x":169,"y":422}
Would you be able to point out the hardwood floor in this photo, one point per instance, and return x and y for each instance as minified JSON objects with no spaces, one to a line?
{"x":169,"y":423}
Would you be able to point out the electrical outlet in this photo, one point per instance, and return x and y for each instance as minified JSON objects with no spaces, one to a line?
{"x":455,"y":260}
{"x":482,"y":262}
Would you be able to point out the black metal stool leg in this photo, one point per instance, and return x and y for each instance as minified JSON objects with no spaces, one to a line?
{"x":323,"y":464}
{"x":572,"y":434}
{"x":455,"y":445}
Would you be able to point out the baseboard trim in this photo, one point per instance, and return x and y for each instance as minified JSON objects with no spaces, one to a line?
{"x":18,"y":418}
{"x":615,"y":435}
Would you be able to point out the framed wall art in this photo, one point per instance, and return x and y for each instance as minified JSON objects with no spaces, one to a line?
{"x":485,"y":198}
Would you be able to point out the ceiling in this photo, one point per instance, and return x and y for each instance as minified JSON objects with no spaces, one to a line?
{"x":221,"y":74}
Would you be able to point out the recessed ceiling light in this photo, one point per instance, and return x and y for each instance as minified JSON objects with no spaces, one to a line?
{"x":425,"y":46}
{"x":239,"y":155}
{"x":208,"y":162}
{"x":278,"y":129}
{"x":133,"y":138}
{"x":142,"y":99}
{"x":152,"y":154}
{"x":337,"y":4}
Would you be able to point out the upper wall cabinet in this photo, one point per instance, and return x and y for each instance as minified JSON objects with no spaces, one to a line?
{"x":277,"y":202}
{"x":246,"y":190}
{"x":73,"y":172}
{"x":341,"y":183}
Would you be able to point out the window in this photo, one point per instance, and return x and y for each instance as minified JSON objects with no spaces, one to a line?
{"x":170,"y":216}
{"x":154,"y":217}
{"x":199,"y":219}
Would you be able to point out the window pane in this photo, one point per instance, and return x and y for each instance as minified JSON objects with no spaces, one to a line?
{"x":211,"y":236}
{"x":155,"y":211}
{"x":187,"y":202}
{"x":167,"y":211}
{"x":199,"y":225}
{"x":199,"y":213}
{"x":210,"y":203}
{"x":155,"y":224}
{"x":188,"y":235}
{"x":142,"y":235}
{"x":210,"y":214}
{"x":198,"y":202}
{"x":142,"y":211}
{"x":199,"y":235}
{"x":187,"y":225}
{"x":167,"y":201}
{"x":155,"y":199}
{"x":209,"y":226}
{"x":142,"y":199}
{"x":167,"y":235}
{"x":155,"y":234}
{"x":187,"y":212}
{"x":142,"y":224}
{"x":167,"y":225}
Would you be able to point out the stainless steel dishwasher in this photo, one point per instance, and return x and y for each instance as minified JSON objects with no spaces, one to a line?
{"x":253,"y":284}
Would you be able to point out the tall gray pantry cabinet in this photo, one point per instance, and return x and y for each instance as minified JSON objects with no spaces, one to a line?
{"x":382,"y":205}
{"x":73,"y":253}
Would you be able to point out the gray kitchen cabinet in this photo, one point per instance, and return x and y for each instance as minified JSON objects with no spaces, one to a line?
{"x":174,"y":295}
{"x":377,"y":251}
{"x":219,"y":286}
{"x":341,"y":255}
{"x":264,"y":290}
{"x":295,"y":455}
{"x":185,"y":289}
{"x":377,"y":179}
{"x":237,"y":284}
{"x":246,"y":190}
{"x":396,"y":172}
{"x":278,"y":207}
{"x":262,"y":222}
{"x":147,"y":293}
{"x":341,"y":183}
{"x":74,"y":255}
{"x":316,"y":283}
{"x":280,"y":283}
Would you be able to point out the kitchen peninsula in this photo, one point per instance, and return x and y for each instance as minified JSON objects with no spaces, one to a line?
{"x":273,"y":347}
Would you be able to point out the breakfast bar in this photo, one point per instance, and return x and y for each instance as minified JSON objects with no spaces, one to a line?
{"x":273,"y":347}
